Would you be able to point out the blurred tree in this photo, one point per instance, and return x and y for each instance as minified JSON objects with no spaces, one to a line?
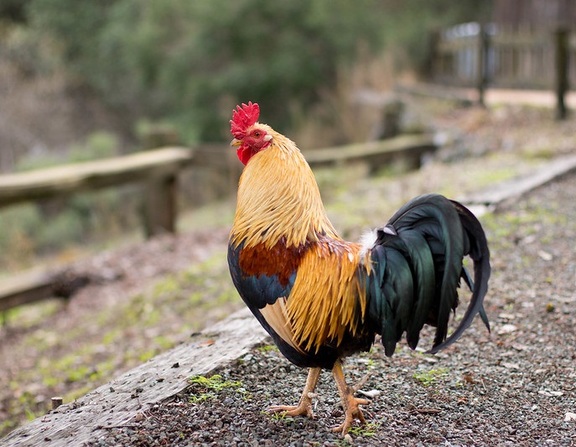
{"x":13,"y":10}
{"x":190,"y":61}
{"x":79,"y":26}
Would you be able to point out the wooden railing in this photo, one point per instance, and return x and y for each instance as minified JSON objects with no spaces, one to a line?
{"x":487,"y":55}
{"x":158,"y":170}
{"x":410,"y":149}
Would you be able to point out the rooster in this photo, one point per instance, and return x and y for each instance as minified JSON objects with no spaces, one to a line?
{"x":322,"y":298}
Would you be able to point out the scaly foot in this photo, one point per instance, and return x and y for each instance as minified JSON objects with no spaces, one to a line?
{"x":350,"y":403}
{"x":352,"y":412}
{"x":304,"y":407}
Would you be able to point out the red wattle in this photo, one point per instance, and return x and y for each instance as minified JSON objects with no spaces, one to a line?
{"x":244,"y":154}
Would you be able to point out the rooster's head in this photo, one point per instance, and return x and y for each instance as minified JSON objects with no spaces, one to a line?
{"x":250,"y":137}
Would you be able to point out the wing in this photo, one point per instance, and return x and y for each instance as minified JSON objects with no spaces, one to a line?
{"x":290,"y":292}
{"x":264,"y":283}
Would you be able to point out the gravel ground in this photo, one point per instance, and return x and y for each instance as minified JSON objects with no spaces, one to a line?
{"x":66,"y":349}
{"x":514,"y":387}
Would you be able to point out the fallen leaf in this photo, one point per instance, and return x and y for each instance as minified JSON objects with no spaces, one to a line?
{"x":507,"y":329}
{"x":423,"y":410}
{"x":508,"y":365}
{"x":370,"y":394}
{"x":550,"y":393}
{"x":545,"y":255}
{"x":430,"y":359}
{"x":519,"y":347}
{"x":139,"y":417}
{"x":569,"y":417}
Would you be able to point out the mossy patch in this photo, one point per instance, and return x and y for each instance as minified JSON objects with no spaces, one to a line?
{"x":431,"y":376}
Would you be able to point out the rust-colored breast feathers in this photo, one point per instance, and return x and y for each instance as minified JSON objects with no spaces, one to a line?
{"x":278,"y":260}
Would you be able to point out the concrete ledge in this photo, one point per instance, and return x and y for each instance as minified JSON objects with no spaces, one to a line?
{"x":505,"y":192}
{"x":117,"y":402}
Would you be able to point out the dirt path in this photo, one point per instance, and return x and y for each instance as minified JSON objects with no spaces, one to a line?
{"x":497,"y":96}
{"x":515,"y":387}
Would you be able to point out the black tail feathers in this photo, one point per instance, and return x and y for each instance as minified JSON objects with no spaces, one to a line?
{"x":417,"y":264}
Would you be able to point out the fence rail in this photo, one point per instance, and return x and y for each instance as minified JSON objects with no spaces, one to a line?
{"x":482,"y":55}
{"x":158,"y":170}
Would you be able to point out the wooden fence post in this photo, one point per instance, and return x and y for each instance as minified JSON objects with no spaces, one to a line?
{"x":432,"y":64}
{"x":561,"y":71}
{"x":160,"y":206}
{"x":482,"y":73}
{"x":160,"y":192}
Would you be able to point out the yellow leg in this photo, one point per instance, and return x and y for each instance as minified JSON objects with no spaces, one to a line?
{"x":304,"y":407}
{"x":349,"y":402}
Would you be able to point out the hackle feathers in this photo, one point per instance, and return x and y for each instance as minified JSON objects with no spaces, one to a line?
{"x":292,"y":209}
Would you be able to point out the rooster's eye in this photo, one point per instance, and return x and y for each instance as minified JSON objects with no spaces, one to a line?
{"x":257,"y":134}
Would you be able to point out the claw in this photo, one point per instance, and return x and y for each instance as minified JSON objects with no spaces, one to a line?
{"x":350,"y":403}
{"x":352,"y":412}
{"x":304,"y":407}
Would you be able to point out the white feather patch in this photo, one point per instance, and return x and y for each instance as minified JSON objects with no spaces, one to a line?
{"x":389,"y":229}
{"x":367,"y":241}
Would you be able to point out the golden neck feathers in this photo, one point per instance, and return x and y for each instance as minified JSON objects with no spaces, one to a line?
{"x":278,"y":198}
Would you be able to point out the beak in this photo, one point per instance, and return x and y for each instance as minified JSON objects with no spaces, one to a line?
{"x":235,"y":142}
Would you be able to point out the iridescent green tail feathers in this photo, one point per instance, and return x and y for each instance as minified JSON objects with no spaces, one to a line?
{"x":417,"y":265}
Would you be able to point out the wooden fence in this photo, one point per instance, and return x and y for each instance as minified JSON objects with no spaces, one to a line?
{"x":158,"y":170}
{"x":489,"y":55}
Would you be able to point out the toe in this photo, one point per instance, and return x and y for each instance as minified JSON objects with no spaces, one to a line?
{"x":300,"y":410}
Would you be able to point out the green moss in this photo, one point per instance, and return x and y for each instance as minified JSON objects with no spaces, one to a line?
{"x":167,"y":285}
{"x":164,"y":343}
{"x":484,"y":178}
{"x":506,"y":229}
{"x":214,"y":383}
{"x":110,"y":337}
{"x":267,"y":348}
{"x":278,"y":416}
{"x":146,"y":355}
{"x":366,"y":431}
{"x":430,"y":377}
{"x":207,"y":388}
{"x":80,"y":373}
{"x":34,"y":314}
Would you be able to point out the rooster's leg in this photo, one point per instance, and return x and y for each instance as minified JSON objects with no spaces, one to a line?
{"x":349,"y":402}
{"x":304,"y":407}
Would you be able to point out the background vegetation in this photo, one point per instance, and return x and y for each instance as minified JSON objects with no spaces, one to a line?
{"x":90,"y":79}
{"x":189,"y":62}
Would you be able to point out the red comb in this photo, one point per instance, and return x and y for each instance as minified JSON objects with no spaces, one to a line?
{"x":242,"y":118}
